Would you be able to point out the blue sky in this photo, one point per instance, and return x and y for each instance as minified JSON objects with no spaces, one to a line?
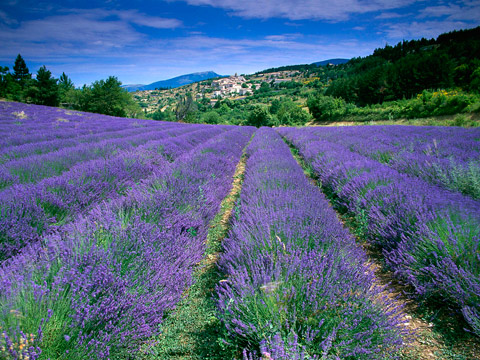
{"x":146,"y":41}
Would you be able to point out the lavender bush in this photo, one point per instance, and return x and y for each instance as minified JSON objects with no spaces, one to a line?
{"x":27,"y":212}
{"x":100,"y":287}
{"x":443,"y":156}
{"x":37,"y":167}
{"x":296,"y":284}
{"x":430,"y":236}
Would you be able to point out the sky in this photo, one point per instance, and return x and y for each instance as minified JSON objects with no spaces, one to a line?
{"x":143,"y":41}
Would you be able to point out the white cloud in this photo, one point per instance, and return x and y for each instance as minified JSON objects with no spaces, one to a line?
{"x":283,"y":37}
{"x":6,"y":19}
{"x":388,"y":15}
{"x":427,"y":29}
{"x":75,"y":33}
{"x":435,"y":20}
{"x":161,"y":59}
{"x":149,"y":21}
{"x":78,"y":32}
{"x":333,"y":10}
{"x":468,"y":11}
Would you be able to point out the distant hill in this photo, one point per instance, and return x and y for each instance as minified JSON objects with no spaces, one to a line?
{"x":303,"y":67}
{"x":331,"y":61}
{"x":174,"y":82}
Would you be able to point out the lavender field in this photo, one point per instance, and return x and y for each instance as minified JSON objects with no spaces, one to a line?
{"x":104,"y":222}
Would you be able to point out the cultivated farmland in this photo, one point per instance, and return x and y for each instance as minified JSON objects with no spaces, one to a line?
{"x":104,"y":224}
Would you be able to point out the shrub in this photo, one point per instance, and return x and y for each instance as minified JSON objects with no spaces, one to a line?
{"x":292,"y":114}
{"x":325,"y":108}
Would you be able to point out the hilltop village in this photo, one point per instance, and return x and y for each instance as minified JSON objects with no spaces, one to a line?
{"x":235,"y":87}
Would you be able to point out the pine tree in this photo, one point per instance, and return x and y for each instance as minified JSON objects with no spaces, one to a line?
{"x":66,"y":90}
{"x":65,"y":82}
{"x":4,"y":75}
{"x":20,"y":71}
{"x":44,"y":90}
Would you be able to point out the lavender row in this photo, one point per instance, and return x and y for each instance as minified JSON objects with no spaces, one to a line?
{"x":430,"y":237}
{"x":443,"y":142}
{"x":43,"y":147}
{"x":101,"y":288}
{"x":37,"y":167}
{"x":30,"y":211}
{"x":451,"y":160}
{"x":13,"y":113}
{"x":39,"y":123}
{"x":33,"y":123}
{"x":297,"y":286}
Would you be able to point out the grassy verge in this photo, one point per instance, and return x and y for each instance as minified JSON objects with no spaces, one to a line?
{"x":439,"y":331}
{"x":192,"y":330}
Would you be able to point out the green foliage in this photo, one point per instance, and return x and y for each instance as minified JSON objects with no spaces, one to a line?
{"x":191,"y":117}
{"x":326,"y":108}
{"x":186,"y":108}
{"x":475,"y":80}
{"x":275,"y":106}
{"x":20,"y":71}
{"x":107,"y":97}
{"x":211,"y":117}
{"x":223,"y":109}
{"x":292,"y":114}
{"x":258,"y":117}
{"x":65,"y":82}
{"x":4,"y":78}
{"x":166,"y":115}
{"x":263,"y":89}
{"x":44,"y":89}
{"x":288,"y":85}
{"x":408,"y":68}
{"x":425,"y":104}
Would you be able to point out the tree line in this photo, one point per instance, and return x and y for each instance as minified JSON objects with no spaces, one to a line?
{"x":406,"y":69}
{"x":102,"y":96}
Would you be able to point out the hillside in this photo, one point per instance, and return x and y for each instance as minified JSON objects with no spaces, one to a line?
{"x":174,"y":82}
{"x":332,"y":62}
{"x":413,"y":79}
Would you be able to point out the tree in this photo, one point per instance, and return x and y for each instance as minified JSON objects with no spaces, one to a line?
{"x":4,"y":78}
{"x":291,"y":114}
{"x":275,"y":106}
{"x":44,"y":89}
{"x":211,"y":117}
{"x":166,"y":115}
{"x":258,"y":117}
{"x":66,"y":90}
{"x":264,"y":88}
{"x":325,"y":107}
{"x":20,"y":71}
{"x":185,"y":107}
{"x":109,"y":98}
{"x":475,"y":83}
{"x":65,"y":83}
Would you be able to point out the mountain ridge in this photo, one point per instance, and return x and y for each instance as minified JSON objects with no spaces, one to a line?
{"x":336,"y":61}
{"x":173,"y":82}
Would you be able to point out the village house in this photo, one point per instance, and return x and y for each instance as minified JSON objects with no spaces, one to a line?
{"x":230,"y":85}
